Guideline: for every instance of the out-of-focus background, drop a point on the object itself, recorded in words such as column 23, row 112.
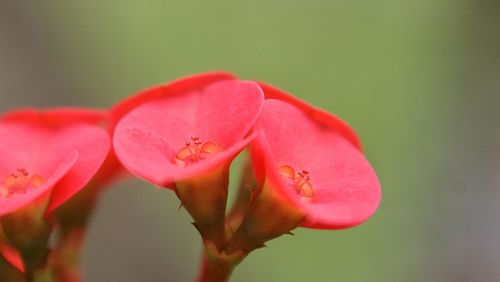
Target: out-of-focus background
column 418, row 80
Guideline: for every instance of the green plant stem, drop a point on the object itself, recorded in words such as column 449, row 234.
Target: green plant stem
column 218, row 266
column 214, row 270
column 65, row 260
column 35, row 263
column 73, row 218
column 9, row 272
column 43, row 275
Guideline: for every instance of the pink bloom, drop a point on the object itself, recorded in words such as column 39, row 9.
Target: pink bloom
column 313, row 162
column 46, row 157
column 183, row 85
column 183, row 134
column 48, row 154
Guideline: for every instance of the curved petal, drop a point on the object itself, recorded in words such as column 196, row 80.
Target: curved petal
column 147, row 139
column 8, row 205
column 149, row 157
column 38, row 140
column 54, row 119
column 265, row 166
column 55, row 116
column 12, row 256
column 228, row 111
column 223, row 114
column 93, row 144
column 319, row 115
column 346, row 189
column 26, row 146
column 194, row 83
column 183, row 85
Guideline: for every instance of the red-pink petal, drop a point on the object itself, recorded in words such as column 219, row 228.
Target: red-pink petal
column 8, row 205
column 60, row 117
column 26, row 146
column 346, row 188
column 55, row 116
column 40, row 149
column 183, row 85
column 92, row 144
column 149, row 137
column 12, row 256
column 329, row 119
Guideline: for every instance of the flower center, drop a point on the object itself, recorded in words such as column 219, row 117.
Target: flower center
column 195, row 151
column 301, row 180
column 19, row 182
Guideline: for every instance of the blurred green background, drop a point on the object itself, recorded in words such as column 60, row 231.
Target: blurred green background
column 418, row 80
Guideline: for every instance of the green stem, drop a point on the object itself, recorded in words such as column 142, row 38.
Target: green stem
column 35, row 263
column 205, row 198
column 9, row 272
column 43, row 276
column 73, row 218
column 65, row 261
column 214, row 270
column 218, row 266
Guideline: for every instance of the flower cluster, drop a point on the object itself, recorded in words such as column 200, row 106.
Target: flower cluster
column 305, row 169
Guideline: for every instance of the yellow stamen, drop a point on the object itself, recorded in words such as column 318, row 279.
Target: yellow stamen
column 195, row 151
column 301, row 180
column 19, row 182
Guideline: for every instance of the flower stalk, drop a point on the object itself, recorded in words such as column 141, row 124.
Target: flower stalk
column 65, row 258
column 204, row 197
column 217, row 266
column 28, row 232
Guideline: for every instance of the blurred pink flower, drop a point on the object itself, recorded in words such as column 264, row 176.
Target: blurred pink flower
column 51, row 153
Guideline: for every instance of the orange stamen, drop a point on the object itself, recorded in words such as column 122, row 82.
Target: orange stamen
column 301, row 180
column 195, row 151
column 19, row 182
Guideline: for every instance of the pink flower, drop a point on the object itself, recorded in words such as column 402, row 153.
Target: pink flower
column 183, row 85
column 309, row 170
column 51, row 153
column 46, row 157
column 184, row 136
column 181, row 135
column 313, row 161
